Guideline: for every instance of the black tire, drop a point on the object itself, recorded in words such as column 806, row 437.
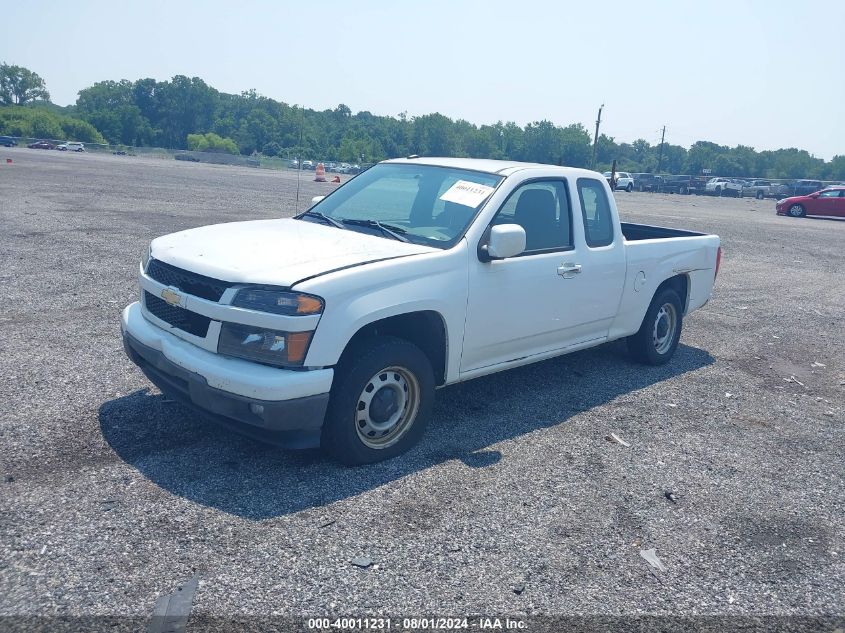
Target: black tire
column 683, row 191
column 362, row 367
column 796, row 211
column 629, row 188
column 719, row 191
column 760, row 195
column 643, row 345
column 642, row 188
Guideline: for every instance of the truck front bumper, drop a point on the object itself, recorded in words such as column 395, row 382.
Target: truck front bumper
column 270, row 404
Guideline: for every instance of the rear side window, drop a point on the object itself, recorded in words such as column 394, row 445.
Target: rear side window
column 598, row 221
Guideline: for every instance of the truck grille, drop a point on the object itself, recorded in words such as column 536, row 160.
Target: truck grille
column 186, row 281
column 185, row 320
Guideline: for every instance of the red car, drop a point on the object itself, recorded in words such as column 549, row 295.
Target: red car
column 830, row 202
column 41, row 145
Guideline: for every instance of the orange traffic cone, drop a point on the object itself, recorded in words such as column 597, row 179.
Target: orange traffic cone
column 336, row 179
column 320, row 175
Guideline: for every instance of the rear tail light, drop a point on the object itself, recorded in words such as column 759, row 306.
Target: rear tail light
column 718, row 261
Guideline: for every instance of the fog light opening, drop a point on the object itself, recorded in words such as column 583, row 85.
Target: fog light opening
column 257, row 409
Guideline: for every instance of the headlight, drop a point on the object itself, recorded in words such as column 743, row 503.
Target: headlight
column 272, row 347
column 145, row 258
column 278, row 302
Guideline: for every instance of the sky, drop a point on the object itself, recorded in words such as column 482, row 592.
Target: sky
column 763, row 74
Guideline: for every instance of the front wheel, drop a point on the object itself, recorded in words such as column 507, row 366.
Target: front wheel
column 797, row 211
column 380, row 402
column 760, row 195
column 657, row 339
column 629, row 188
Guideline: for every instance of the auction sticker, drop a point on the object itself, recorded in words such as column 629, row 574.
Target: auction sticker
column 469, row 194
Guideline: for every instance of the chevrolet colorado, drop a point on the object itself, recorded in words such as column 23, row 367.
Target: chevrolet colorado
column 334, row 328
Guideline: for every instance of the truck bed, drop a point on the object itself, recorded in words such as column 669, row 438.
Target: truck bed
column 636, row 232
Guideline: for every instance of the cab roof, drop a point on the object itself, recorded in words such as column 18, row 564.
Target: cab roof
column 500, row 167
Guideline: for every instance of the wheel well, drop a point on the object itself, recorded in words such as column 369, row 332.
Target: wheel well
column 680, row 284
column 425, row 329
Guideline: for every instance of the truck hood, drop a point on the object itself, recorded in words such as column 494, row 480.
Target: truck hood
column 274, row 252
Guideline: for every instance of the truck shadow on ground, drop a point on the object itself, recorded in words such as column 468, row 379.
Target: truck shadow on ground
column 186, row 456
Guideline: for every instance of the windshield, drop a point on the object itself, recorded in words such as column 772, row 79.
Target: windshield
column 425, row 204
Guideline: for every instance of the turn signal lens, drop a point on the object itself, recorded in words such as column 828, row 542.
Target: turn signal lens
column 297, row 346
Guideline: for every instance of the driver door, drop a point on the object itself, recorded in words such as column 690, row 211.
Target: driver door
column 538, row 301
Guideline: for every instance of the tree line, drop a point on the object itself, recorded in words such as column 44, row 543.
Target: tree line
column 185, row 112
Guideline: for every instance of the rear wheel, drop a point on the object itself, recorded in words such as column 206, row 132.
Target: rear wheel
column 683, row 191
column 658, row 336
column 760, row 195
column 797, row 211
column 719, row 191
column 630, row 187
column 380, row 402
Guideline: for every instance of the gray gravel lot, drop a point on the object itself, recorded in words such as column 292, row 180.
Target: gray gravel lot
column 112, row 496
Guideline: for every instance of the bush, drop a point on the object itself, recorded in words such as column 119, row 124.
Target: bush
column 272, row 149
column 42, row 123
column 211, row 142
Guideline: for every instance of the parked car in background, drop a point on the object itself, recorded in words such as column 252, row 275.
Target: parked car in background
column 624, row 180
column 683, row 184
column 803, row 187
column 829, row 202
column 41, row 145
column 763, row 189
column 309, row 164
column 8, row 141
column 293, row 164
column 646, row 182
column 724, row 186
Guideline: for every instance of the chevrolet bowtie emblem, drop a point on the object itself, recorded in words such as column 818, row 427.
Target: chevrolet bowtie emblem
column 171, row 297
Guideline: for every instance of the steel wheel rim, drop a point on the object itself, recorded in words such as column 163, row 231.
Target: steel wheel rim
column 795, row 210
column 387, row 407
column 665, row 324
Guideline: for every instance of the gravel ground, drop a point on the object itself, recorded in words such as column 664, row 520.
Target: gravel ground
column 514, row 503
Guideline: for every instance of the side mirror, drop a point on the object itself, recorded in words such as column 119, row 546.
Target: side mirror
column 316, row 199
column 506, row 240
column 814, row 195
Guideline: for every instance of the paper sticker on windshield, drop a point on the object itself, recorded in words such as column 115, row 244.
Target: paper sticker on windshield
column 469, row 194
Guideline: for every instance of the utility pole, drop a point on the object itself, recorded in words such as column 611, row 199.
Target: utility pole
column 660, row 160
column 596, row 138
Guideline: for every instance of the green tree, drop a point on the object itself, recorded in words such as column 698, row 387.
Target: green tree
column 19, row 85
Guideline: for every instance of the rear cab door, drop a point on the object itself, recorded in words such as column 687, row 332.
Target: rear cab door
column 563, row 291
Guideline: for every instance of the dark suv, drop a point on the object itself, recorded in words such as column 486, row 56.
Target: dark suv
column 803, row 187
column 683, row 184
column 647, row 182
column 8, row 141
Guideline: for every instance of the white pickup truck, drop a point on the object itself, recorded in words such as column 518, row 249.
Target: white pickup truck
column 335, row 327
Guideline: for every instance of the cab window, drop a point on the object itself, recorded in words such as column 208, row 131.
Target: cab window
column 541, row 208
column 595, row 207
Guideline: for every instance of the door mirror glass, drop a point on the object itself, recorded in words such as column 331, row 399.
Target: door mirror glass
column 316, row 199
column 506, row 240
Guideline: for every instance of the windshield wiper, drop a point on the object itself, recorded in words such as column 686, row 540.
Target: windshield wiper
column 320, row 216
column 396, row 232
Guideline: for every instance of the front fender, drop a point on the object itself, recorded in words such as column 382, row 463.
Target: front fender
column 359, row 296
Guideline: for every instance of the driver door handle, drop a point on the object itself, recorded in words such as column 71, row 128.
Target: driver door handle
column 569, row 270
